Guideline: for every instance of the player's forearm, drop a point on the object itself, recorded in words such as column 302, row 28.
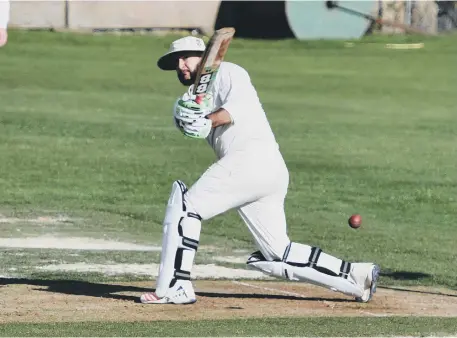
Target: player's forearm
column 220, row 117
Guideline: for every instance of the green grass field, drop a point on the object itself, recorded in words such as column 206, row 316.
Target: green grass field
column 86, row 131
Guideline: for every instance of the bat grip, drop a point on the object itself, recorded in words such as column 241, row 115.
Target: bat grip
column 199, row 98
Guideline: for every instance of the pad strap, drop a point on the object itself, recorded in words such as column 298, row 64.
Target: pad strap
column 314, row 257
column 345, row 269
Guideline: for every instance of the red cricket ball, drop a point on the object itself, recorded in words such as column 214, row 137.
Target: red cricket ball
column 355, row 221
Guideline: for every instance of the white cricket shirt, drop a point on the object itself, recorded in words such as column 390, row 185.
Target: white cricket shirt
column 4, row 13
column 250, row 129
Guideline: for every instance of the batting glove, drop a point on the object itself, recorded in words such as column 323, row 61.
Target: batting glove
column 187, row 110
column 198, row 129
column 189, row 116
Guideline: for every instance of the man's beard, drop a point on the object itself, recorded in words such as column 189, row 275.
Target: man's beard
column 187, row 82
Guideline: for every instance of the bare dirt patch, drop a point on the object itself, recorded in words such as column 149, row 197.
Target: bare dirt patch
column 72, row 243
column 37, row 220
column 200, row 271
column 74, row 301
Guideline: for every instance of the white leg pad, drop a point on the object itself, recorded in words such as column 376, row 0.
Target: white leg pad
column 181, row 234
column 309, row 264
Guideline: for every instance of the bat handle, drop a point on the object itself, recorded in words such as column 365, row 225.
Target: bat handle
column 199, row 98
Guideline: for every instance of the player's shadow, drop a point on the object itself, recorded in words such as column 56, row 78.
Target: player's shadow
column 270, row 296
column 417, row 291
column 405, row 275
column 83, row 288
column 409, row 276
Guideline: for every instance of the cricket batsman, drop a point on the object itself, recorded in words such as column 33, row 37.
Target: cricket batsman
column 4, row 18
column 250, row 175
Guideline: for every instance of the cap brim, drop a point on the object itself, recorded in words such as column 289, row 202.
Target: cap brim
column 169, row 60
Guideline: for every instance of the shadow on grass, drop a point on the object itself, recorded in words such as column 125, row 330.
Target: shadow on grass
column 412, row 276
column 90, row 289
column 405, row 275
column 262, row 296
column 74, row 287
column 417, row 291
column 82, row 288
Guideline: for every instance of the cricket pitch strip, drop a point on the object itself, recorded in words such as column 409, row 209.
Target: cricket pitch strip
column 24, row 300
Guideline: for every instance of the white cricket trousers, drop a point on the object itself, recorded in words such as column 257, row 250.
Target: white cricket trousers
column 253, row 182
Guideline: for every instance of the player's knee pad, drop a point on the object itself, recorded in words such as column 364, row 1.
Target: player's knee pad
column 181, row 234
column 302, row 262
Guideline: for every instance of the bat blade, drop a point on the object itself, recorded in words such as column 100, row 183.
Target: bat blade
column 211, row 61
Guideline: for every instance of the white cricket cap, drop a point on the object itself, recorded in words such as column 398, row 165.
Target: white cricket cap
column 177, row 47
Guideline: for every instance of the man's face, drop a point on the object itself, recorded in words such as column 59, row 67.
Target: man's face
column 187, row 69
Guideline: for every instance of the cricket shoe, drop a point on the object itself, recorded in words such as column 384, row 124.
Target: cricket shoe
column 181, row 293
column 366, row 275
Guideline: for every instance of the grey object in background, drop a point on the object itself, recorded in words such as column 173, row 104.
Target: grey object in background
column 447, row 15
column 313, row 20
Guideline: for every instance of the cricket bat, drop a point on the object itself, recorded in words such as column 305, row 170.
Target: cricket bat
column 211, row 60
